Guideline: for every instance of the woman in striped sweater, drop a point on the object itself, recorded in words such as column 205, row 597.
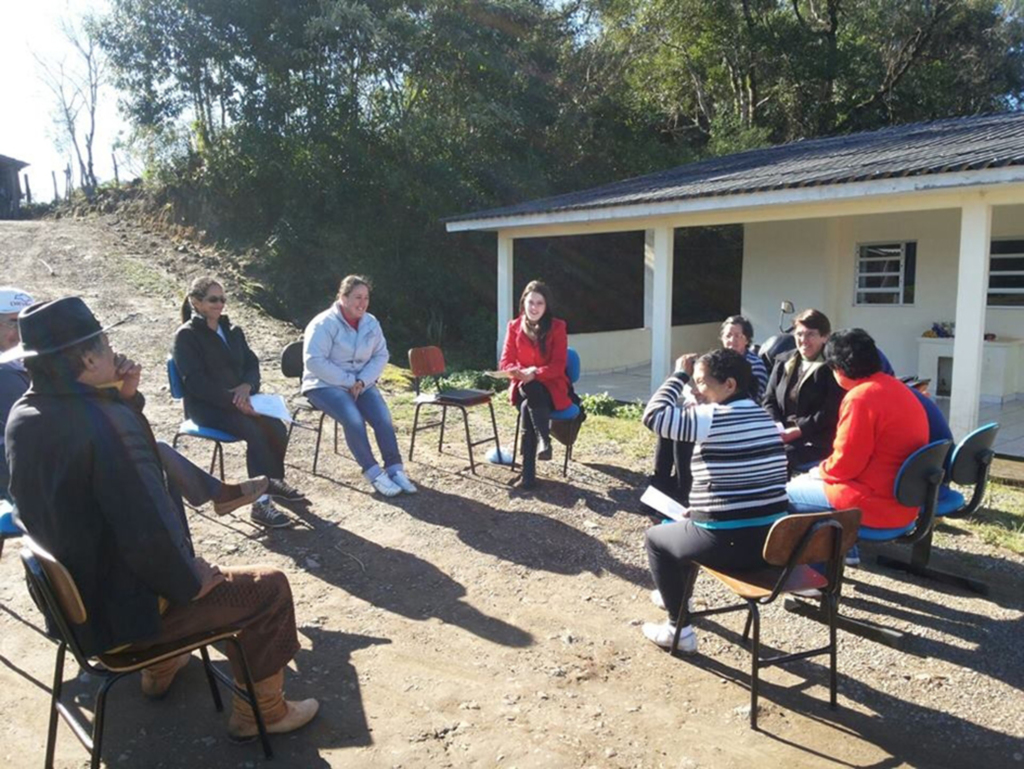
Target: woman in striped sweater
column 739, row 482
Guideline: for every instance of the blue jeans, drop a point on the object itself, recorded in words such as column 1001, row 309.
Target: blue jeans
column 807, row 495
column 353, row 414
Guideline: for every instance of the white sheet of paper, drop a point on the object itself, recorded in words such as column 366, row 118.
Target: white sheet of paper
column 271, row 406
column 664, row 504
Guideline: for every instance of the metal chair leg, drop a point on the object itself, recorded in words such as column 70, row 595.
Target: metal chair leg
column 469, row 441
column 415, row 423
column 494, row 424
column 319, row 435
column 208, row 667
column 254, row 703
column 99, row 720
column 833, row 681
column 55, row 692
column 220, row 453
column 755, row 663
column 565, row 464
column 440, row 438
column 335, row 436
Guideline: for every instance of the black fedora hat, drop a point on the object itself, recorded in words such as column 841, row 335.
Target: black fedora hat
column 48, row 327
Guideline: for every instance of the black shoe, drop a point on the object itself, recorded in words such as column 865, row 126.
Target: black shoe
column 282, row 490
column 544, row 450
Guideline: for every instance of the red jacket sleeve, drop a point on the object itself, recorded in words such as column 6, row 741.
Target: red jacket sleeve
column 558, row 351
column 508, row 351
column 854, row 443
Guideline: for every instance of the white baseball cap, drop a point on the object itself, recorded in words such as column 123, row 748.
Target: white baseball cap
column 14, row 300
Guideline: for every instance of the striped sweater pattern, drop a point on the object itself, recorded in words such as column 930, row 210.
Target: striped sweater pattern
column 739, row 463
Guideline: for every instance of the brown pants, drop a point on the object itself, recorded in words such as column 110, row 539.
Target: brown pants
column 256, row 599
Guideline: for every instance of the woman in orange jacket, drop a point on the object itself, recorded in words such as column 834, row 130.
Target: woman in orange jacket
column 534, row 355
column 881, row 423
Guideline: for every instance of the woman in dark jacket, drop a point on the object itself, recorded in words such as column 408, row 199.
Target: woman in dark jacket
column 803, row 396
column 219, row 373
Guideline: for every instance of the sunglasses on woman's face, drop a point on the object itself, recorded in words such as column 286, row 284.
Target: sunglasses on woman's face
column 215, row 299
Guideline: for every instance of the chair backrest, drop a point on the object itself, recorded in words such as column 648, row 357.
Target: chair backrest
column 291, row 360
column 971, row 457
column 917, row 485
column 174, row 379
column 572, row 365
column 58, row 582
column 921, row 474
column 426, row 361
column 808, row 537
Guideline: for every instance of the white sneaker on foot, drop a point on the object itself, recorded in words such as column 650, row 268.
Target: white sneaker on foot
column 662, row 634
column 402, row 481
column 386, row 486
column 658, row 601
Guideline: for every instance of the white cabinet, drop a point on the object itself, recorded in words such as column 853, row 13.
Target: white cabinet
column 1001, row 375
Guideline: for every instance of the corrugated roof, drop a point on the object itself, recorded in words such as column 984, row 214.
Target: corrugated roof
column 939, row 146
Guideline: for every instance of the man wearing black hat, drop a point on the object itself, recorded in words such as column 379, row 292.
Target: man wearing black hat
column 87, row 478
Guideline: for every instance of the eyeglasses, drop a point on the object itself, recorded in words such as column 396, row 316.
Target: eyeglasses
column 215, row 299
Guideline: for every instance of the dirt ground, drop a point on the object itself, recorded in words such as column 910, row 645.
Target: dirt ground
column 471, row 626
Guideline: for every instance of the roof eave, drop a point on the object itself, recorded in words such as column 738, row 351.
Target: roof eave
column 832, row 193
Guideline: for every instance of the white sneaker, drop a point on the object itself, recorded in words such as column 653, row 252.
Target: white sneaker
column 662, row 634
column 658, row 601
column 402, row 481
column 386, row 486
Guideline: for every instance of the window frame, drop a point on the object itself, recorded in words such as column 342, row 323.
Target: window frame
column 899, row 291
column 989, row 291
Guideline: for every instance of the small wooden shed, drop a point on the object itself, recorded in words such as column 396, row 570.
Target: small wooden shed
column 10, row 186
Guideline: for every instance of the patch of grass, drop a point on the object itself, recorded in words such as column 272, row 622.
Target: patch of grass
column 147, row 279
column 1000, row 520
column 395, row 379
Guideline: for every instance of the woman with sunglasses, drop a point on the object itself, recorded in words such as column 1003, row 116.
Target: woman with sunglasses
column 219, row 374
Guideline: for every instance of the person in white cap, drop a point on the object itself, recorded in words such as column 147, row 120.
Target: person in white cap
column 13, row 376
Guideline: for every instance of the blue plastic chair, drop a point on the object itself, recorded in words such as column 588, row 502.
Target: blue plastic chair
column 969, row 465
column 8, row 528
column 190, row 429
column 917, row 485
column 572, row 371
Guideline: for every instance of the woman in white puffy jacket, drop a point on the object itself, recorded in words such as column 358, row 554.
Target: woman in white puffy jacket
column 344, row 354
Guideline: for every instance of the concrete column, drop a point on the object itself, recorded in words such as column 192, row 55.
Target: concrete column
column 971, row 296
column 661, row 305
column 648, row 278
column 506, row 295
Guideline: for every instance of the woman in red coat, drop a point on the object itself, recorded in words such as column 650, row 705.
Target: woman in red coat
column 881, row 423
column 536, row 346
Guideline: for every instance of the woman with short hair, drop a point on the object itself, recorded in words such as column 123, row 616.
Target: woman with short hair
column 344, row 354
column 802, row 396
column 737, row 333
column 881, row 423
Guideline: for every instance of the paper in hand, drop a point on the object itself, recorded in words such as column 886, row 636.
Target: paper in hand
column 664, row 504
column 270, row 406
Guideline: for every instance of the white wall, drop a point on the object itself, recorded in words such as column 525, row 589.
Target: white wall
column 812, row 263
column 616, row 350
column 782, row 260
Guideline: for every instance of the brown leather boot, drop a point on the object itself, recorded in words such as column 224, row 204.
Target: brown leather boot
column 279, row 715
column 157, row 679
